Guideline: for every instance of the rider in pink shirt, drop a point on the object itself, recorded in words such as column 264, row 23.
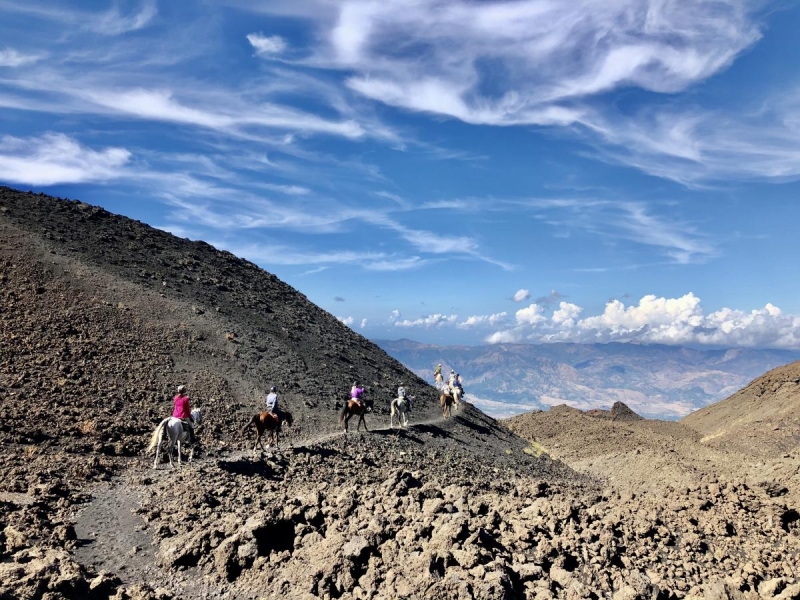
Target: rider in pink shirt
column 183, row 410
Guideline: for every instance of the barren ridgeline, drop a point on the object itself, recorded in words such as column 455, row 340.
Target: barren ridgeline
column 102, row 317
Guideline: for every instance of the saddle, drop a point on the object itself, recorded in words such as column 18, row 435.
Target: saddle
column 358, row 402
column 272, row 417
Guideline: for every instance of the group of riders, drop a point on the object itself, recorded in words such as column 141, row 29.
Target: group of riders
column 453, row 383
column 182, row 408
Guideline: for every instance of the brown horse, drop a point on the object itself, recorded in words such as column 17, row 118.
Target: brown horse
column 446, row 401
column 268, row 422
column 354, row 407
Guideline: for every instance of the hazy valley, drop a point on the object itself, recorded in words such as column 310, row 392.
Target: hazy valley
column 655, row 380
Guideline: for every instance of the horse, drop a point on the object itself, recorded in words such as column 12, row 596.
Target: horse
column 268, row 422
column 355, row 407
column 177, row 433
column 446, row 401
column 456, row 392
column 439, row 379
column 400, row 407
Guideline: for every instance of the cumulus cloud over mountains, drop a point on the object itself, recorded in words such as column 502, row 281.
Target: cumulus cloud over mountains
column 656, row 320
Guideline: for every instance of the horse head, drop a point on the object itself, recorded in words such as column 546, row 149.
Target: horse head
column 368, row 404
column 196, row 416
column 287, row 416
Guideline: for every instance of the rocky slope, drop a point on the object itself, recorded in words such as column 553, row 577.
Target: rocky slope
column 666, row 466
column 101, row 317
column 763, row 418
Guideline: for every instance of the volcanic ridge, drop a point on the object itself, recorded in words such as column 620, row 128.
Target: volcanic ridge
column 102, row 317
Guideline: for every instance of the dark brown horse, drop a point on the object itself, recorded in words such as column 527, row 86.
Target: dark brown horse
column 355, row 407
column 268, row 422
column 446, row 401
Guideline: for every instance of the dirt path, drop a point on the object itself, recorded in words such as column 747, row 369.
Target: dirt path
column 114, row 538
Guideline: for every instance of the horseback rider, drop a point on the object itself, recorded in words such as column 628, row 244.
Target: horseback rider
column 356, row 393
column 401, row 395
column 183, row 411
column 459, row 383
column 272, row 401
column 437, row 371
column 271, row 404
column 452, row 379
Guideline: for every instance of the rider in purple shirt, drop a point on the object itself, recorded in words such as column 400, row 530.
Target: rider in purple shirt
column 356, row 392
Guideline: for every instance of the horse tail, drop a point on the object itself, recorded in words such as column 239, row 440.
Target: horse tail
column 154, row 439
column 250, row 422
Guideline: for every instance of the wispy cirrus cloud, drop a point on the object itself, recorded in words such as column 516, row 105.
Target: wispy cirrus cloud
column 636, row 222
column 11, row 58
column 55, row 158
column 110, row 22
column 699, row 147
column 532, row 50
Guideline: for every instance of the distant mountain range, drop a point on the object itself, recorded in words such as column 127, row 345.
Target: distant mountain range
column 654, row 380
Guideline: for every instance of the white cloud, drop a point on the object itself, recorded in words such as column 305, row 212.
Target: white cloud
column 266, row 45
column 11, row 58
column 566, row 314
column 363, row 323
column 508, row 336
column 657, row 320
column 651, row 312
column 346, row 320
column 521, row 295
column 429, row 321
column 531, row 315
column 54, row 158
column 483, row 320
column 525, row 61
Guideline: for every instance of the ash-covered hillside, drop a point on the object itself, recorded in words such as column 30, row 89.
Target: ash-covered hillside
column 116, row 314
column 762, row 419
column 102, row 317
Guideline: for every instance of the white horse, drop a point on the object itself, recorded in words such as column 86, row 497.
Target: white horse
column 177, row 434
column 456, row 393
column 400, row 407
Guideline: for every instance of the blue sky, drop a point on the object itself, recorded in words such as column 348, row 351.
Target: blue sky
column 447, row 171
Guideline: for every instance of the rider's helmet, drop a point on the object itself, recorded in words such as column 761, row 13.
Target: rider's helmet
column 273, row 389
column 181, row 389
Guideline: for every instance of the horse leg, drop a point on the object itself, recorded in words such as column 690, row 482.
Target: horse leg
column 158, row 448
column 171, row 449
column 346, row 421
column 361, row 419
column 179, row 453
